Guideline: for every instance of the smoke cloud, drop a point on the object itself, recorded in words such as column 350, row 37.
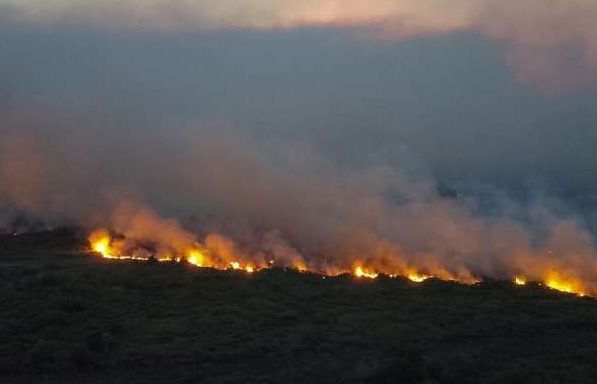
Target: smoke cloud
column 235, row 198
column 306, row 150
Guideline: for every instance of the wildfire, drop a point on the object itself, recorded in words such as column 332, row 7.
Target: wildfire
column 102, row 247
column 196, row 258
column 557, row 282
column 235, row 265
column 249, row 268
column 417, row 278
column 101, row 242
column 299, row 266
column 360, row 272
column 520, row 280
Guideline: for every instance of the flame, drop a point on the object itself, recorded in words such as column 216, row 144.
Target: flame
column 298, row 265
column 557, row 282
column 360, row 272
column 249, row 268
column 520, row 280
column 102, row 243
column 417, row 278
column 196, row 258
column 235, row 265
column 102, row 247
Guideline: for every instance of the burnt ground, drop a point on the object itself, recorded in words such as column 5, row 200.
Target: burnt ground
column 68, row 317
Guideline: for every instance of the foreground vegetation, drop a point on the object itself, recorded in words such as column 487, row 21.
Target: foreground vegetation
column 68, row 317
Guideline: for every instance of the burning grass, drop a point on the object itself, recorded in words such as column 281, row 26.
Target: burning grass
column 101, row 242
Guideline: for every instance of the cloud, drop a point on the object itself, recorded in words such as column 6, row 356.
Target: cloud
column 551, row 44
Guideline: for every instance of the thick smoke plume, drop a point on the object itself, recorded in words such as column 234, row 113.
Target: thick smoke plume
column 221, row 198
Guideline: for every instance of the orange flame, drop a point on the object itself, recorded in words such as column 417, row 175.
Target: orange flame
column 559, row 283
column 101, row 242
column 360, row 272
column 196, row 258
column 520, row 280
column 417, row 277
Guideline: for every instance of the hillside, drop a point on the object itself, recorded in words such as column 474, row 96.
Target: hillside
column 69, row 317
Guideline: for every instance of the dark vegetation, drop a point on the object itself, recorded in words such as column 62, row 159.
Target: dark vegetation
column 68, row 317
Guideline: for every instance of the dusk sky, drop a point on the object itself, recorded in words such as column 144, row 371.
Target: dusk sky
column 468, row 95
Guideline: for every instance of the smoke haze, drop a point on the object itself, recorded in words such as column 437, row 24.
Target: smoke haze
column 411, row 147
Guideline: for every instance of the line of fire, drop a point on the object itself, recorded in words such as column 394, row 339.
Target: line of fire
column 109, row 246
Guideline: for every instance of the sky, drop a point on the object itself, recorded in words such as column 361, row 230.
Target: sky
column 239, row 110
column 485, row 90
column 472, row 96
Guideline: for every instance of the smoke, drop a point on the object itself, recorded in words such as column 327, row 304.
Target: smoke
column 236, row 198
column 551, row 44
column 99, row 142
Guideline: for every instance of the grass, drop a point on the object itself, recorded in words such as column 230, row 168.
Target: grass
column 68, row 317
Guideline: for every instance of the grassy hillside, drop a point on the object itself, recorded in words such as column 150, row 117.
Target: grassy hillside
column 67, row 317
